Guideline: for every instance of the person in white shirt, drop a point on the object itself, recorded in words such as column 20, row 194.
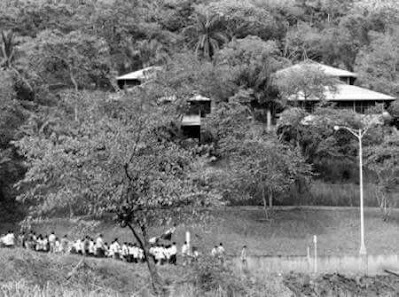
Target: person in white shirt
column 220, row 252
column 46, row 244
column 160, row 255
column 173, row 254
column 57, row 246
column 100, row 247
column 134, row 251
column 125, row 252
column 141, row 255
column 92, row 247
column 51, row 240
column 185, row 252
column 129, row 257
column 185, row 249
column 9, row 240
column 39, row 243
column 195, row 253
column 166, row 251
column 214, row 251
column 78, row 246
column 106, row 249
column 114, row 249
column 65, row 245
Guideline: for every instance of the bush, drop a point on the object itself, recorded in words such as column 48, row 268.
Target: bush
column 209, row 275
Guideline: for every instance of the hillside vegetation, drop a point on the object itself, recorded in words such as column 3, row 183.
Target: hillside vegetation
column 74, row 145
column 56, row 53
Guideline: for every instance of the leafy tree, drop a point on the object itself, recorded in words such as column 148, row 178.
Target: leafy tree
column 149, row 52
column 113, row 159
column 73, row 60
column 383, row 160
column 314, row 135
column 304, row 81
column 301, row 42
column 243, row 18
column 185, row 73
column 175, row 16
column 253, row 62
column 12, row 115
column 206, row 35
column 259, row 165
column 378, row 64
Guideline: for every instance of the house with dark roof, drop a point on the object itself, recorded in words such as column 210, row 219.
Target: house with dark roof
column 138, row 77
column 346, row 95
column 198, row 105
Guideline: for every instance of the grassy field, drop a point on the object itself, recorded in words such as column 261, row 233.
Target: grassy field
column 332, row 194
column 288, row 233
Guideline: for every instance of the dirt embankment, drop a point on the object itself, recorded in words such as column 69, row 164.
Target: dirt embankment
column 338, row 285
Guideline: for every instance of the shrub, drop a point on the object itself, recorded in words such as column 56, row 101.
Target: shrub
column 209, row 275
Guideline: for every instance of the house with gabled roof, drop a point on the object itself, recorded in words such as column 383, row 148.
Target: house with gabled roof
column 138, row 77
column 346, row 95
column 198, row 105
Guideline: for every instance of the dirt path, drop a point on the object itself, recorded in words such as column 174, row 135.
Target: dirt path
column 330, row 285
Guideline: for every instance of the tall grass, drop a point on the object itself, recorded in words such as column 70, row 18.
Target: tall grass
column 330, row 194
column 24, row 289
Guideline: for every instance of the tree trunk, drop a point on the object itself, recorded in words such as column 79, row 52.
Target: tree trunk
column 268, row 119
column 75, row 84
column 155, row 277
column 270, row 200
column 265, row 204
column 156, row 281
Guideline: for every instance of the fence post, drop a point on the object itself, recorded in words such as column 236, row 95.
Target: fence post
column 188, row 242
column 315, row 253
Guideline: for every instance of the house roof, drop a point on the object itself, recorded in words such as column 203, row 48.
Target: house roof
column 346, row 92
column 191, row 120
column 199, row 98
column 328, row 70
column 141, row 74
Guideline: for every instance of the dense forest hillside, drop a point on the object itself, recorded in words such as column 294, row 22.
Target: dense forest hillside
column 68, row 131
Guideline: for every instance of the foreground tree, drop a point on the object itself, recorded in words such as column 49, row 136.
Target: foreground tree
column 113, row 159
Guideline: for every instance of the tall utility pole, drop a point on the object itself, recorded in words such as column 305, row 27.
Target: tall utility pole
column 359, row 135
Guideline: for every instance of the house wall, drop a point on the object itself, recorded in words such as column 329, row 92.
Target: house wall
column 357, row 106
column 200, row 107
column 191, row 131
column 125, row 83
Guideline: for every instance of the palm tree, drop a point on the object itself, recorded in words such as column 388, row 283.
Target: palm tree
column 151, row 52
column 147, row 52
column 263, row 94
column 207, row 34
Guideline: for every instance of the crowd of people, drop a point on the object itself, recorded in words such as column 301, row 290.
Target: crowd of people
column 130, row 252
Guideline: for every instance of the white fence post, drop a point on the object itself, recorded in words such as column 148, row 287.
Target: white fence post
column 315, row 253
column 188, row 242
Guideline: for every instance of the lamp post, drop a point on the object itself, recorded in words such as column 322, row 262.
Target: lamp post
column 359, row 135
